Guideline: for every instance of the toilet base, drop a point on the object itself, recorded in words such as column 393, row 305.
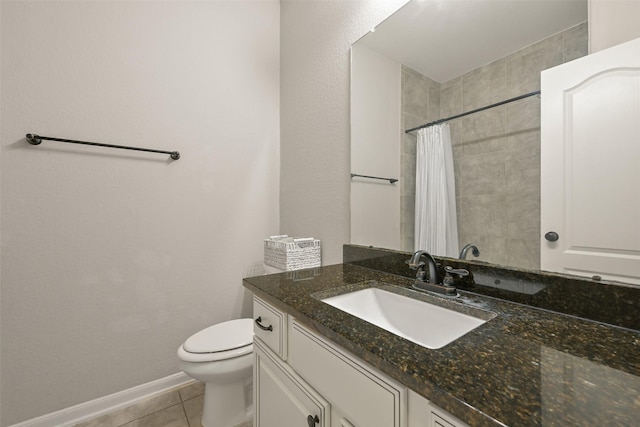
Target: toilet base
column 227, row 405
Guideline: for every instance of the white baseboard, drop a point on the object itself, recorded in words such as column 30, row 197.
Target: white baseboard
column 104, row 405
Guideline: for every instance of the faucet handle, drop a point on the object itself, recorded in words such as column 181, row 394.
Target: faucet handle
column 414, row 266
column 448, row 279
column 460, row 272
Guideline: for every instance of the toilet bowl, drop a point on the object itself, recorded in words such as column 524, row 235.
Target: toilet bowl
column 221, row 356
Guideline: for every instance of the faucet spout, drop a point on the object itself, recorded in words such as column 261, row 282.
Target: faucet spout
column 472, row 247
column 433, row 284
column 415, row 263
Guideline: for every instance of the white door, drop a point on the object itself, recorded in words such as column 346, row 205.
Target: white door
column 590, row 186
column 282, row 398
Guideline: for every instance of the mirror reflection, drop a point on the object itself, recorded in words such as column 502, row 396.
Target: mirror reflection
column 433, row 60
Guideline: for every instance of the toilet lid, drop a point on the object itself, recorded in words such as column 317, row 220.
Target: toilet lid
column 221, row 337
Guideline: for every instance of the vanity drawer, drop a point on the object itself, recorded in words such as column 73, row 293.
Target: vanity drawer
column 270, row 325
column 366, row 397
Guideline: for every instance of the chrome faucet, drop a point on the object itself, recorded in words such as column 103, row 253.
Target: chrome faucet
column 474, row 251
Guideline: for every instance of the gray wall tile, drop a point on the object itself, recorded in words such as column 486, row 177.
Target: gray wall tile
column 576, row 42
column 523, row 253
column 408, row 174
column 433, row 110
column 482, row 215
column 481, row 174
column 408, row 219
column 523, row 115
column 491, row 249
column 409, row 139
column 524, row 67
column 420, row 104
column 483, row 86
column 484, row 125
column 451, row 98
column 415, row 93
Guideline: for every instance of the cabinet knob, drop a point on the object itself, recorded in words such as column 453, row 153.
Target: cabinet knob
column 551, row 236
column 312, row 420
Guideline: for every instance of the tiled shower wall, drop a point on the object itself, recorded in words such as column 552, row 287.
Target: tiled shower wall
column 496, row 152
column 420, row 104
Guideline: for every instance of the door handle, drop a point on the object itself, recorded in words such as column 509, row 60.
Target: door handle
column 552, row 236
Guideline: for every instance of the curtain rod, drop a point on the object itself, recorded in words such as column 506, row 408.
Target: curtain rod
column 457, row 116
column 37, row 139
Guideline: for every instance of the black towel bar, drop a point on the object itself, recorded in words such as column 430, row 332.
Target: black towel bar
column 391, row 180
column 37, row 139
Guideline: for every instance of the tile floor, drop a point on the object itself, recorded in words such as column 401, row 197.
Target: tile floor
column 180, row 407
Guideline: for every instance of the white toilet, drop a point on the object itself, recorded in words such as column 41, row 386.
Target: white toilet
column 221, row 356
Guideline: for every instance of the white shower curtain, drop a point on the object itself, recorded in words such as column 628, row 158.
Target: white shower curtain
column 436, row 226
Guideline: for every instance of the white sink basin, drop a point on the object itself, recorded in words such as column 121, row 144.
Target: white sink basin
column 426, row 324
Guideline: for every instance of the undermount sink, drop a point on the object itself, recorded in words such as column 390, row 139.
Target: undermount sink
column 426, row 324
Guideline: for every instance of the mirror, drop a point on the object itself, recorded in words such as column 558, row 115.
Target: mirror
column 434, row 59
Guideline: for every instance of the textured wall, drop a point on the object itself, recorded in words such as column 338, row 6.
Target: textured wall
column 375, row 148
column 612, row 23
column 110, row 259
column 314, row 181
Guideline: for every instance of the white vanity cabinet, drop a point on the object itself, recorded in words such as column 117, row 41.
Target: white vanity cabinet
column 281, row 397
column 303, row 379
column 364, row 396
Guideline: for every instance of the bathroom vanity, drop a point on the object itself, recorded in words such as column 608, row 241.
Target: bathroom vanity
column 527, row 366
column 320, row 382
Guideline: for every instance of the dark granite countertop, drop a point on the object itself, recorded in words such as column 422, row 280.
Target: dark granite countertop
column 526, row 367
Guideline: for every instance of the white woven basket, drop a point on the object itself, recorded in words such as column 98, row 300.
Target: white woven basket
column 288, row 253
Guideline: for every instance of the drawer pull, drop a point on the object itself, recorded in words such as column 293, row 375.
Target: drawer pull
column 312, row 421
column 261, row 326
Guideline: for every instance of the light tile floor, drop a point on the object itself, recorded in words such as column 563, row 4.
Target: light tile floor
column 176, row 408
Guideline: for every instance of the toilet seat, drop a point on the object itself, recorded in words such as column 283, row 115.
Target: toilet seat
column 226, row 340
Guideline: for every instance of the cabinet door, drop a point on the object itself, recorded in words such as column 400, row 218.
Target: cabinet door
column 366, row 396
column 591, row 165
column 281, row 397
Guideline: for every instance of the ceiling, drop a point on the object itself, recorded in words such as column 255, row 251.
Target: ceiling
column 444, row 39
